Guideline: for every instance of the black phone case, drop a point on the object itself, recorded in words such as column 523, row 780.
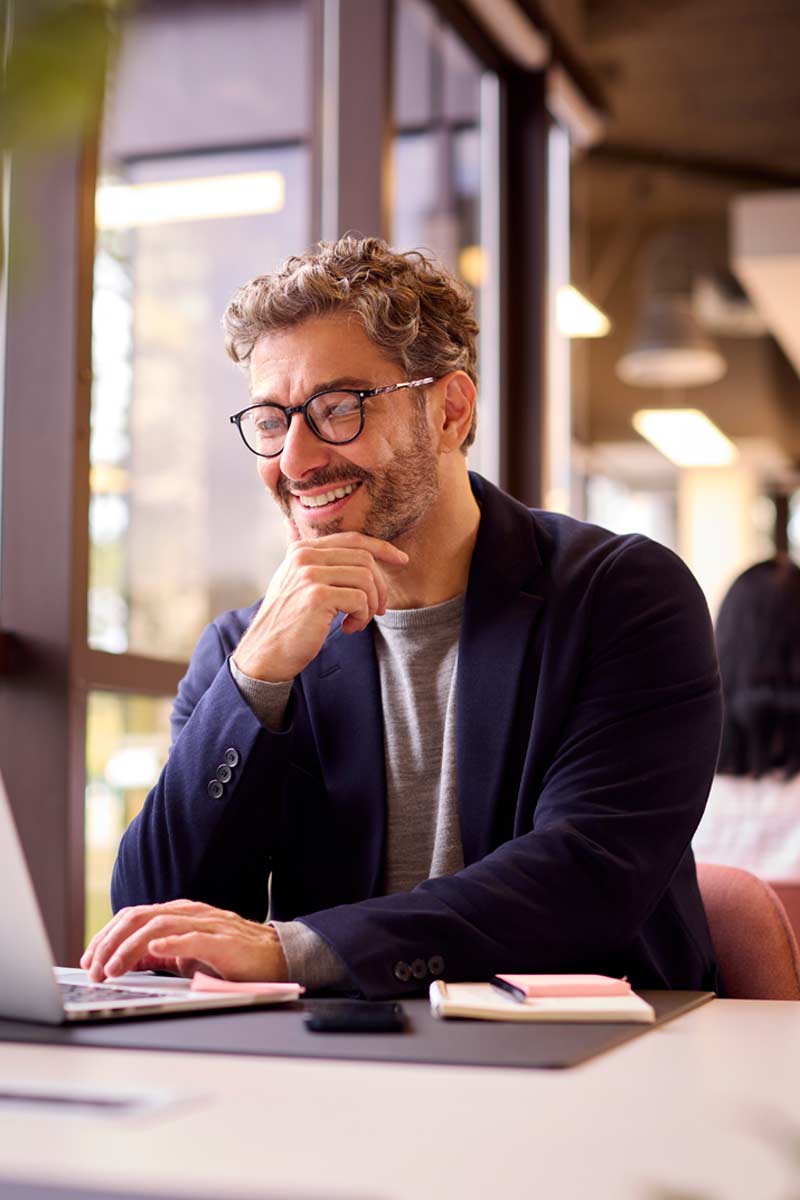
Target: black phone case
column 356, row 1016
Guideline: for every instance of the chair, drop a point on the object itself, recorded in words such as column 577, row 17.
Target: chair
column 789, row 896
column 756, row 949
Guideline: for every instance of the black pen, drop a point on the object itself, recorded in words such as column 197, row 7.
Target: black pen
column 508, row 989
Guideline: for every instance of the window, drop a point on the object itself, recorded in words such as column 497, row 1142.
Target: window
column 438, row 187
column 203, row 182
column 126, row 747
column 179, row 526
column 436, row 169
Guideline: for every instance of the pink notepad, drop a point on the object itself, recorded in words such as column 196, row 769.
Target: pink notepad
column 568, row 985
column 279, row 991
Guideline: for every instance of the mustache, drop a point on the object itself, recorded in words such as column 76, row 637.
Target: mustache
column 330, row 475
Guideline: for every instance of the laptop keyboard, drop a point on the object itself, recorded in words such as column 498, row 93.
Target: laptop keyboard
column 81, row 993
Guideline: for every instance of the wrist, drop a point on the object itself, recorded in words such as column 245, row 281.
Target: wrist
column 252, row 668
column 279, row 971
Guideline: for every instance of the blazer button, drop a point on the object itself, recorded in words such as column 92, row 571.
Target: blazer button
column 215, row 789
column 402, row 971
column 436, row 965
column 224, row 773
column 418, row 968
column 231, row 756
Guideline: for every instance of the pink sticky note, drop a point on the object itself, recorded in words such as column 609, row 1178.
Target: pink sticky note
column 568, row 985
column 209, row 983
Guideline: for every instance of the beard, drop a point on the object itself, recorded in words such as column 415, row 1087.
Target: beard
column 399, row 495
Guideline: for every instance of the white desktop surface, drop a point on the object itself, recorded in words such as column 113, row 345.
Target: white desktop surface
column 707, row 1105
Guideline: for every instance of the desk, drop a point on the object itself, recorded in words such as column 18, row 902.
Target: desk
column 705, row 1105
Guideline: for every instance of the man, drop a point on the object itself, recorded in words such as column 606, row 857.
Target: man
column 459, row 736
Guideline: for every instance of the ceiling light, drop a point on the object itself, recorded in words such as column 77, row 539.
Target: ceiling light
column 126, row 206
column 577, row 317
column 670, row 349
column 685, row 436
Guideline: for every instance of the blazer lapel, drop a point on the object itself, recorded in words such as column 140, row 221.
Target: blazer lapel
column 344, row 704
column 501, row 608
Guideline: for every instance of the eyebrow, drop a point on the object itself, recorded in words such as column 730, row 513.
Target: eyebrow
column 342, row 381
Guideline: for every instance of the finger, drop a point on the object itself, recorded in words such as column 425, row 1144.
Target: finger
column 353, row 603
column 292, row 532
column 149, row 962
column 384, row 551
column 115, row 932
column 86, row 957
column 331, row 556
column 353, row 625
column 352, row 578
column 107, row 938
column 107, row 931
column 128, row 952
column 320, row 555
column 383, row 590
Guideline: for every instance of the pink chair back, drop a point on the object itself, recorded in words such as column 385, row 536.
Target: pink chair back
column 756, row 948
column 789, row 896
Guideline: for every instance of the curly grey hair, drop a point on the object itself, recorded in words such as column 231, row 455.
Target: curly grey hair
column 409, row 305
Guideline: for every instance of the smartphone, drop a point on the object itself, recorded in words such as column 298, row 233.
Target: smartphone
column 356, row 1016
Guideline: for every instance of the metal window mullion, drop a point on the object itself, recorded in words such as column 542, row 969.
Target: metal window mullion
column 491, row 347
column 355, row 117
column 525, row 220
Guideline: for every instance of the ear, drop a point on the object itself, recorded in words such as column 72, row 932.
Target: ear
column 457, row 409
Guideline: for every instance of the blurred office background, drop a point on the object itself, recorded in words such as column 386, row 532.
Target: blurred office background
column 617, row 181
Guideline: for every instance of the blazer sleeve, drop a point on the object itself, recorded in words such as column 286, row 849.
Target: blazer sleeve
column 207, row 828
column 614, row 813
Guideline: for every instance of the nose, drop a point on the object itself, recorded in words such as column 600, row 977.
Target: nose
column 302, row 451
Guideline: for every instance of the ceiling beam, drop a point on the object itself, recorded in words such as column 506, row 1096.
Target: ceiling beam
column 608, row 19
column 726, row 172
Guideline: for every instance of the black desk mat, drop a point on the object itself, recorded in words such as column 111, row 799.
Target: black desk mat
column 427, row 1039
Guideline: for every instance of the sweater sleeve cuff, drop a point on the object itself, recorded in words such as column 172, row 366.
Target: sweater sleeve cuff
column 309, row 958
column 268, row 701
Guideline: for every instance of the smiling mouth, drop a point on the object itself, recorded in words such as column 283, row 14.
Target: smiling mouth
column 324, row 499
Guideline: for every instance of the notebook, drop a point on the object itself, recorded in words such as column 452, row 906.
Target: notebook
column 486, row 1003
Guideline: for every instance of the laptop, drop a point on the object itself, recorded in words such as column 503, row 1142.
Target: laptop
column 33, row 989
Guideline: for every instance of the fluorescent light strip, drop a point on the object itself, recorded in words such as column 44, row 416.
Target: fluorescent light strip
column 578, row 317
column 127, row 206
column 685, row 436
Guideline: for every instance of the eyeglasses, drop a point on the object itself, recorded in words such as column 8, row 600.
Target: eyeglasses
column 336, row 417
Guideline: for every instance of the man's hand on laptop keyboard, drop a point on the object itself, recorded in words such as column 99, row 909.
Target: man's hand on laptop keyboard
column 183, row 936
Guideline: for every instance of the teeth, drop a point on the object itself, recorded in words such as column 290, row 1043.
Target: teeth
column 327, row 497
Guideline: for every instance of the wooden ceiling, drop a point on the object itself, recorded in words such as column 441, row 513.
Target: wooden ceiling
column 703, row 100
column 711, row 83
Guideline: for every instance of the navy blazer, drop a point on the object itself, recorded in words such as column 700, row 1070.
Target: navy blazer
column 588, row 722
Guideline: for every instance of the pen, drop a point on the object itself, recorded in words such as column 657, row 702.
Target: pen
column 508, row 989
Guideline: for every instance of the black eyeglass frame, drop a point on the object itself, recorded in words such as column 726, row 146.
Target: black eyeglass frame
column 361, row 395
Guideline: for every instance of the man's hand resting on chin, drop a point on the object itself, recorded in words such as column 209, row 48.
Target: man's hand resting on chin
column 185, row 936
